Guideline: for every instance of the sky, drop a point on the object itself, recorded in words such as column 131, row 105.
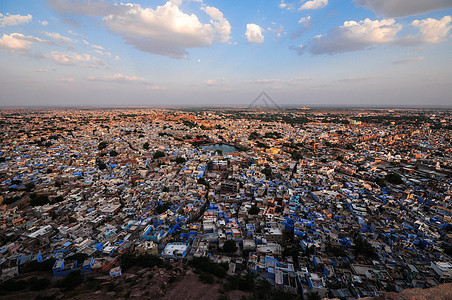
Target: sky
column 222, row 53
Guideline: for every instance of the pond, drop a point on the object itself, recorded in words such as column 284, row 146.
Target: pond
column 224, row 148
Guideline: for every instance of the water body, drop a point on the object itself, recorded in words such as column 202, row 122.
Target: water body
column 224, row 148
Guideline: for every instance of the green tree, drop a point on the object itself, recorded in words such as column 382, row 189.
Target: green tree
column 364, row 247
column 380, row 181
column 267, row 171
column 394, row 178
column 254, row 210
column 146, row 146
column 102, row 145
column 159, row 154
column 230, row 246
column 180, row 160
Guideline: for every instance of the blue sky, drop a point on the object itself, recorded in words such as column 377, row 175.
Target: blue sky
column 210, row 52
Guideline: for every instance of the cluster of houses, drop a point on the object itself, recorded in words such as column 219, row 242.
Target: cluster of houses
column 341, row 210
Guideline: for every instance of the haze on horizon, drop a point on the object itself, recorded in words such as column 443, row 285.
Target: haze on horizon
column 211, row 53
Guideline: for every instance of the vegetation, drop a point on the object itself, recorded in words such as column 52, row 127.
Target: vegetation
column 180, row 160
column 146, row 146
column 394, row 178
column 206, row 278
column 101, row 165
column 72, row 280
column 254, row 136
column 158, row 154
column 230, row 246
column 102, row 145
column 38, row 200
column 363, row 247
column 143, row 261
column 261, row 145
column 267, row 171
column 273, row 135
column 380, row 181
column 190, row 124
column 35, row 266
column 204, row 265
column 161, row 208
column 254, row 210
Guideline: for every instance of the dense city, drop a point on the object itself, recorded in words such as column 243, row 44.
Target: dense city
column 234, row 203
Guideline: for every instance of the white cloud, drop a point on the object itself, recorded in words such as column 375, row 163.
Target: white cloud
column 44, row 23
column 103, row 53
column 11, row 20
column 18, row 42
column 354, row 79
column 97, row 47
column 305, row 20
column 403, row 8
column 314, row 4
column 166, row 30
column 67, row 80
column 156, row 88
column 408, row 60
column 211, row 82
column 254, row 34
column 354, row 36
column 119, row 78
column 58, row 37
column 76, row 59
column 220, row 24
column 279, row 82
column 287, row 6
column 298, row 49
column 305, row 26
column 432, row 30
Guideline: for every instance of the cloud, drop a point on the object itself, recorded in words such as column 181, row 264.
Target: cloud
column 96, row 46
column 165, row 30
column 298, row 49
column 305, row 26
column 44, row 23
column 353, row 36
column 119, row 78
column 211, row 82
column 156, row 88
column 85, row 8
column 18, row 42
column 408, row 60
column 103, row 53
column 403, row 8
column 287, row 6
column 58, row 37
column 67, row 80
column 11, row 20
column 314, row 4
column 278, row 82
column 254, row 34
column 432, row 30
column 76, row 59
column 220, row 24
column 354, row 79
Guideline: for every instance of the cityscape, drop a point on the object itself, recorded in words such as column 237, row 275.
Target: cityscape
column 225, row 203
column 226, row 150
